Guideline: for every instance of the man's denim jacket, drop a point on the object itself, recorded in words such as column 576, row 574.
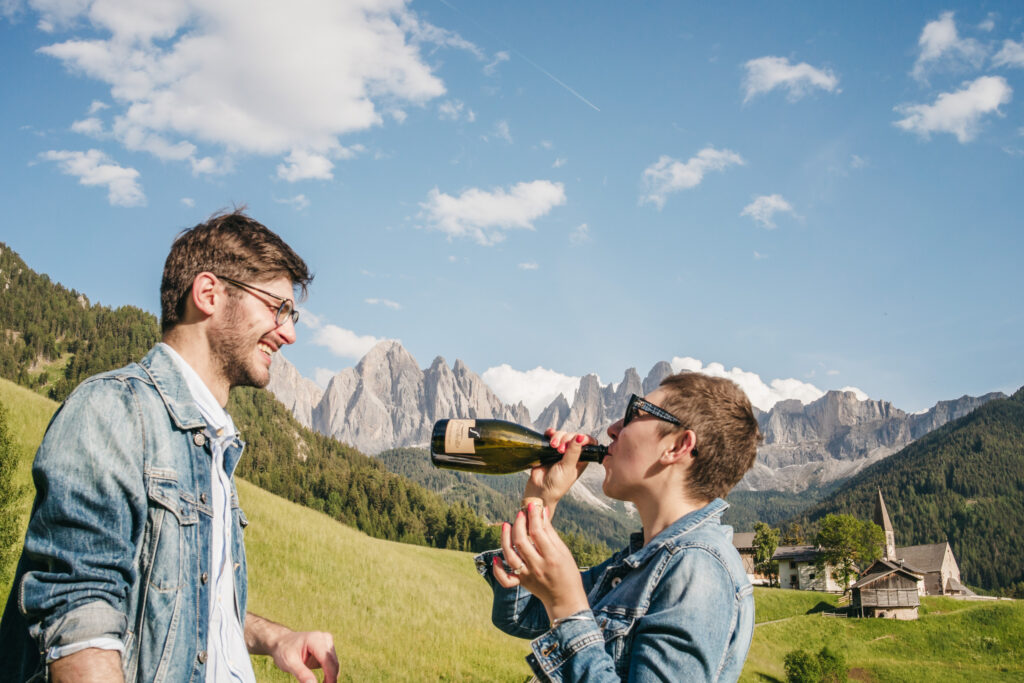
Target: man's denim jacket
column 118, row 545
column 678, row 609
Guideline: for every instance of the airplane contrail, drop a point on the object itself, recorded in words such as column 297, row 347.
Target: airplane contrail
column 529, row 61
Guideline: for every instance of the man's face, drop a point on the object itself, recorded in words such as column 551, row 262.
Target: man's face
column 246, row 336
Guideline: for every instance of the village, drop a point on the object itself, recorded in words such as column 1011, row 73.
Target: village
column 889, row 587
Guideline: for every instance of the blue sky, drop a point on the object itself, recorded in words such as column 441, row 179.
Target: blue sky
column 804, row 197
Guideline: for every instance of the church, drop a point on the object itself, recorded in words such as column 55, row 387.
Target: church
column 934, row 562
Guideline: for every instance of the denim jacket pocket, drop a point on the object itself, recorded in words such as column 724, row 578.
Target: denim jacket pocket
column 617, row 628
column 173, row 516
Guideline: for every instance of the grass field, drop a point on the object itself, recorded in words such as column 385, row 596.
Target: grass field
column 407, row 613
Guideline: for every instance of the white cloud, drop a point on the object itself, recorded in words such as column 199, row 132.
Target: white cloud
column 298, row 202
column 767, row 73
column 861, row 396
column 91, row 126
column 857, row 162
column 581, row 235
column 529, row 265
column 764, row 208
column 499, row 57
column 95, row 168
column 941, row 45
column 452, row 110
column 97, row 106
column 536, row 388
column 263, row 77
column 344, row 343
column 484, row 216
column 957, row 112
column 559, row 162
column 988, row 24
column 501, row 130
column 305, row 165
column 189, row 202
column 546, row 144
column 671, row 175
column 394, row 305
column 1012, row 54
column 758, row 256
column 761, row 394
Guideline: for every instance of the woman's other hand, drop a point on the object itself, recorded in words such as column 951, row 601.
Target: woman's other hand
column 541, row 563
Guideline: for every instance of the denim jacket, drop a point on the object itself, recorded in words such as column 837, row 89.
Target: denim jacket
column 118, row 544
column 678, row 609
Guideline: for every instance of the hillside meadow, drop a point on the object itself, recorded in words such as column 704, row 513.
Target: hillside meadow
column 404, row 612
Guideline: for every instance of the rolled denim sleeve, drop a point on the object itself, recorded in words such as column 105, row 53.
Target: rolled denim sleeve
column 88, row 515
column 683, row 635
column 515, row 611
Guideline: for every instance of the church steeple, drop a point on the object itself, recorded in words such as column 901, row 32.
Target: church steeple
column 882, row 520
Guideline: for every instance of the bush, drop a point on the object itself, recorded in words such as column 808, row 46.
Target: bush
column 828, row 666
column 802, row 667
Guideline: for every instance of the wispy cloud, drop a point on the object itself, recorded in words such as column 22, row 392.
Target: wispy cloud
column 1012, row 54
column 767, row 73
column 559, row 162
column 668, row 175
column 266, row 64
column 455, row 110
column 485, row 216
column 189, row 202
column 339, row 341
column 387, row 303
column 941, row 46
column 529, row 265
column 958, row 113
column 503, row 132
column 94, row 168
column 764, row 208
column 491, row 68
column 580, row 235
column 298, row 202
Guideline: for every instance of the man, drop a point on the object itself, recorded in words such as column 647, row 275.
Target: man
column 675, row 604
column 134, row 563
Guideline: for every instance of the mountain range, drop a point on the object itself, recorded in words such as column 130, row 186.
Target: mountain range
column 387, row 401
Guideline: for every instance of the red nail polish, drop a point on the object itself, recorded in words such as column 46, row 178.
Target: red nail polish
column 580, row 438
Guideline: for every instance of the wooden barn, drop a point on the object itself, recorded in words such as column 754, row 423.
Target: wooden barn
column 886, row 590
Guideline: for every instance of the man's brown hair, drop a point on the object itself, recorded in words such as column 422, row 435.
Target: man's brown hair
column 719, row 413
column 228, row 244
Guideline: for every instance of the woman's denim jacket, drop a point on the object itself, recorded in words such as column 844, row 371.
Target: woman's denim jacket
column 678, row 609
column 118, row 545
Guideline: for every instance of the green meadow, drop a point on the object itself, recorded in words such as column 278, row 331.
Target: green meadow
column 410, row 613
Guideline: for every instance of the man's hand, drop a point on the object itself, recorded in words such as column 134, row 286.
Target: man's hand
column 294, row 652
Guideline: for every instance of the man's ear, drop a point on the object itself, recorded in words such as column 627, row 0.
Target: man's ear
column 681, row 447
column 206, row 293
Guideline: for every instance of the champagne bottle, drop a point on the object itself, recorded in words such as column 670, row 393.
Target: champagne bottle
column 495, row 447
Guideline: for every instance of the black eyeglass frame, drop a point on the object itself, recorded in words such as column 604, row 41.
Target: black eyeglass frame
column 636, row 404
column 283, row 312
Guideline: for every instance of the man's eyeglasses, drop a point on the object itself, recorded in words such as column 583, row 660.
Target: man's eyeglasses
column 282, row 313
column 637, row 404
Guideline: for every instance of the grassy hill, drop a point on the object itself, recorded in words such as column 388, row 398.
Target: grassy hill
column 406, row 612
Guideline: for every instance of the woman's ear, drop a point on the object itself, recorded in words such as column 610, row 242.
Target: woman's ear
column 682, row 445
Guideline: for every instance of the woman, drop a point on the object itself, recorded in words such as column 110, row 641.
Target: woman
column 675, row 604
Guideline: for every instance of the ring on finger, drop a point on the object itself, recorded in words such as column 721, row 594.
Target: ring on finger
column 518, row 569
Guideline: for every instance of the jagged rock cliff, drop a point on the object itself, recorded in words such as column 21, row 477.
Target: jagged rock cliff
column 387, row 401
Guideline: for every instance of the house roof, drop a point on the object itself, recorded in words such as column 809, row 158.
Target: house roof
column 882, row 568
column 743, row 540
column 796, row 553
column 927, row 558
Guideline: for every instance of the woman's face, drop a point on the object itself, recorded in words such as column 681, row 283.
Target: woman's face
column 634, row 452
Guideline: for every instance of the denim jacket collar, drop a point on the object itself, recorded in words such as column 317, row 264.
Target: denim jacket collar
column 639, row 553
column 173, row 390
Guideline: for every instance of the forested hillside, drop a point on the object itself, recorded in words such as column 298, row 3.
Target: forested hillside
column 963, row 483
column 51, row 337
column 45, row 327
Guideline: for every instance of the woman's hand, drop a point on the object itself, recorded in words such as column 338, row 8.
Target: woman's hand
column 548, row 483
column 541, row 563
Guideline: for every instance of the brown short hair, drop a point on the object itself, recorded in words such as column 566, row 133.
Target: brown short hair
column 719, row 413
column 228, row 244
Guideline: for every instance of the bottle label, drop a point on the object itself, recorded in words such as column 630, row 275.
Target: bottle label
column 458, row 439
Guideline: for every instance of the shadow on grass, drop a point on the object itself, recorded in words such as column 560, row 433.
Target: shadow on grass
column 823, row 606
column 769, row 679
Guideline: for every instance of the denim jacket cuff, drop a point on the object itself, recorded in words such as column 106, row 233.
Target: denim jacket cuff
column 564, row 641
column 484, row 561
column 96, row 619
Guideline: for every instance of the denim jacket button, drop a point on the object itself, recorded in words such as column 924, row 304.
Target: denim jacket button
column 202, row 657
column 616, row 581
column 202, row 498
column 199, row 439
column 205, row 577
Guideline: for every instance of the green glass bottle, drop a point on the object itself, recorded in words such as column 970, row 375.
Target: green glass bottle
column 495, row 447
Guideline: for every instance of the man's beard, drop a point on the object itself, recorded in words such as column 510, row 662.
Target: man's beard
column 232, row 351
